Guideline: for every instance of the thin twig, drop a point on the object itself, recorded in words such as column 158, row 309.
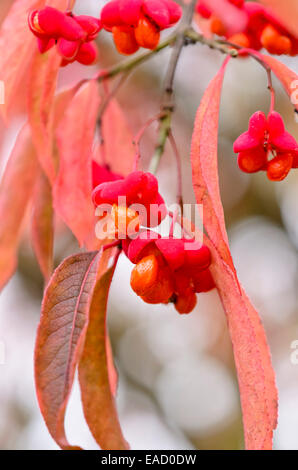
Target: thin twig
column 138, row 137
column 258, row 57
column 190, row 37
column 110, row 96
column 167, row 106
column 130, row 64
column 179, row 170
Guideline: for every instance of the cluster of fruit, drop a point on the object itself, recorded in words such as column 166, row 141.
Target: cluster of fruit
column 167, row 269
column 262, row 28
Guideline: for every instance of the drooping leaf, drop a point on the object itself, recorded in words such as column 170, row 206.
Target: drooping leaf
column 112, row 371
column 60, row 337
column 43, row 226
column 252, row 357
column 204, row 145
column 73, row 186
column 15, row 193
column 287, row 77
column 117, row 137
column 94, row 374
column 286, row 12
column 18, row 47
column 41, row 92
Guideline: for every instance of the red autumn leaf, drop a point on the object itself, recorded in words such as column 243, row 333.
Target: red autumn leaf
column 204, row 144
column 287, row 77
column 62, row 101
column 118, row 150
column 43, row 226
column 286, row 12
column 113, row 374
column 73, row 186
column 15, row 193
column 94, row 374
column 18, row 46
column 252, row 357
column 60, row 337
column 41, row 92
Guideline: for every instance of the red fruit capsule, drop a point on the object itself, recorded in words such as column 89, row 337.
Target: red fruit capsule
column 252, row 161
column 197, row 258
column 55, row 23
column 295, row 160
column 217, row 26
column 152, row 281
column 110, row 15
column 161, row 292
column 126, row 221
column 147, row 34
column 87, row 53
column 274, row 42
column 185, row 304
column 90, row 25
column 102, row 174
column 45, row 44
column 237, row 3
column 203, row 281
column 130, row 11
column 203, row 11
column 175, row 11
column 279, row 167
column 240, row 39
column 144, row 275
column 68, row 49
column 157, row 12
column 125, row 41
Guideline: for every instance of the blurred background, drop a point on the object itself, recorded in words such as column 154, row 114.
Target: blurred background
column 177, row 388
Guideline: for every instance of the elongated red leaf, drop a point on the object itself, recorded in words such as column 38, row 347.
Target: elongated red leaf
column 286, row 12
column 43, row 226
column 60, row 337
column 287, row 77
column 41, row 92
column 18, row 47
column 97, row 394
column 252, row 357
column 117, row 140
column 73, row 187
column 15, row 193
column 204, row 163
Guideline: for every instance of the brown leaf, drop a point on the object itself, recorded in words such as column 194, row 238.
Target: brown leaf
column 43, row 226
column 94, row 374
column 15, row 193
column 60, row 337
column 18, row 46
column 42, row 87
